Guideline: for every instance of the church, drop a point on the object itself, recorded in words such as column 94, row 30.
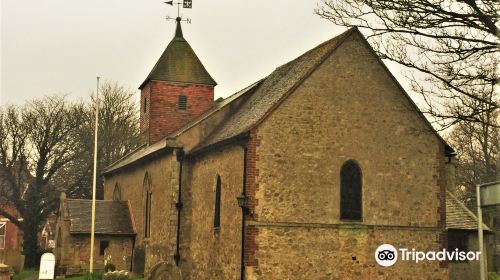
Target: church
column 300, row 175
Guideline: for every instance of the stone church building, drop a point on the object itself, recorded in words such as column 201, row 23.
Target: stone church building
column 301, row 175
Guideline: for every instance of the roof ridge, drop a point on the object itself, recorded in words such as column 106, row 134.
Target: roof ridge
column 339, row 37
column 276, row 88
column 140, row 147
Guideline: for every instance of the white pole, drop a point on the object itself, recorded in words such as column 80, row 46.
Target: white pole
column 95, row 177
column 480, row 232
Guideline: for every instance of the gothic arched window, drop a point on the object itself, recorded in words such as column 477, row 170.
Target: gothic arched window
column 350, row 191
column 217, row 202
column 117, row 192
column 147, row 205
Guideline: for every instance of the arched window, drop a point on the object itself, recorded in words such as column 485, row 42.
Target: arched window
column 147, row 205
column 117, row 192
column 217, row 202
column 350, row 191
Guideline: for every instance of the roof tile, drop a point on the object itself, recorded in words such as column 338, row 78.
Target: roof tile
column 112, row 217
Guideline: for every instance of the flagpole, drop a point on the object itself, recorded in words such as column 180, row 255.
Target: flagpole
column 91, row 269
column 480, row 232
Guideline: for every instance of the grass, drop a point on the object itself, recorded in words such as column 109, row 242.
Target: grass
column 25, row 274
column 84, row 277
column 493, row 276
column 87, row 276
column 34, row 273
column 76, row 277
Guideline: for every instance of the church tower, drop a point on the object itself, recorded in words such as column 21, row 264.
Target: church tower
column 177, row 90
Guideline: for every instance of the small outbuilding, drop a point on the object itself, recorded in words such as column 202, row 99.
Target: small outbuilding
column 114, row 235
column 461, row 225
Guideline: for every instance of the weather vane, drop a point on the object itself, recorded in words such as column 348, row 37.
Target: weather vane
column 186, row 4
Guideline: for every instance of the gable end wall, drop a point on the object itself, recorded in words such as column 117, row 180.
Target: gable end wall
column 348, row 108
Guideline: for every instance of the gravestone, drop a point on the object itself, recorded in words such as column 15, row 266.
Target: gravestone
column 138, row 260
column 165, row 271
column 47, row 265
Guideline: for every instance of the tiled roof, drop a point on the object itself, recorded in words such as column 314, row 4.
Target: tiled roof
column 458, row 216
column 274, row 88
column 112, row 217
column 179, row 63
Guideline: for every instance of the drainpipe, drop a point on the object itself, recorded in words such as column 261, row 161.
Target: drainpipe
column 180, row 158
column 243, row 216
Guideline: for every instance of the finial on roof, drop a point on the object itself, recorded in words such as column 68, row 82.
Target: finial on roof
column 178, row 30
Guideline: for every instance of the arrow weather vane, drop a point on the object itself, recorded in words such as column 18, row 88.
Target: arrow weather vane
column 186, row 4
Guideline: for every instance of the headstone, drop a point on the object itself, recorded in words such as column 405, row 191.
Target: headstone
column 47, row 265
column 165, row 271
column 138, row 260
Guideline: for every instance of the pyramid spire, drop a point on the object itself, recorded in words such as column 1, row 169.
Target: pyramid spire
column 178, row 29
column 179, row 63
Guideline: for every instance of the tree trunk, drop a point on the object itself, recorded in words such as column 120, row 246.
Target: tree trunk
column 31, row 226
column 30, row 245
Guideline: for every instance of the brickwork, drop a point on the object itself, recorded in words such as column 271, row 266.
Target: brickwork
column 252, row 188
column 162, row 117
column 145, row 108
column 442, row 181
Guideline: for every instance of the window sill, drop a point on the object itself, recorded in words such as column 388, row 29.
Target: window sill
column 346, row 221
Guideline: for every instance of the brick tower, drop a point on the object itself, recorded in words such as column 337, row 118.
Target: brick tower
column 177, row 90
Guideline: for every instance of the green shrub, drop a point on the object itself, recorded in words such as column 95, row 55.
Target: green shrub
column 93, row 276
column 493, row 276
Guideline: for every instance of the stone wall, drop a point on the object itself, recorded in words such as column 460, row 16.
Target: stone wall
column 338, row 252
column 118, row 252
column 163, row 171
column 470, row 269
column 349, row 108
column 208, row 252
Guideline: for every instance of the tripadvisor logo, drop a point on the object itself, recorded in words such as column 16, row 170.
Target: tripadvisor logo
column 387, row 255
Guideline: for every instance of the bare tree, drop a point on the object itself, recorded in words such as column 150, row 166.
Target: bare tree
column 35, row 143
column 478, row 155
column 118, row 136
column 46, row 147
column 450, row 46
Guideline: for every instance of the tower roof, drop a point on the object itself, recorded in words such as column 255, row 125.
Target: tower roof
column 179, row 63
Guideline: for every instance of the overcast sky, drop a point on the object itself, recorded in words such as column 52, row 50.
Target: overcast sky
column 60, row 46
